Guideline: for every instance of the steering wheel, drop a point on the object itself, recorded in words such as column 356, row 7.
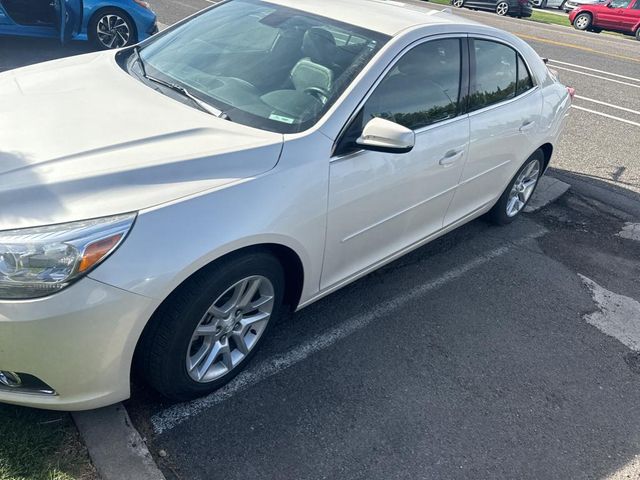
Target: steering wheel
column 318, row 93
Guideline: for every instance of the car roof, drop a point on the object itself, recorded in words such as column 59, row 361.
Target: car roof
column 389, row 17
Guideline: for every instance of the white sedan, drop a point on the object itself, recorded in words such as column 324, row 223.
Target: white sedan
column 163, row 204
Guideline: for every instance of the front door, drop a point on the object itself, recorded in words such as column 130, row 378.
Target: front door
column 382, row 203
column 68, row 15
column 630, row 17
column 610, row 16
column 4, row 18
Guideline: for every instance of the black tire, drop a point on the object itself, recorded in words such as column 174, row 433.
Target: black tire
column 543, row 4
column 92, row 29
column 582, row 21
column 561, row 7
column 638, row 34
column 502, row 8
column 163, row 349
column 498, row 214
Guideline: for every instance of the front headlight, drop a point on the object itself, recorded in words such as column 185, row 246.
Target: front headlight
column 35, row 262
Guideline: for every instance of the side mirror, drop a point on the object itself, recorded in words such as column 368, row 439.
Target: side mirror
column 382, row 135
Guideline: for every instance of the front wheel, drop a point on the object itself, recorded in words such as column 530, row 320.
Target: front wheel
column 207, row 331
column 519, row 191
column 112, row 28
column 582, row 21
column 502, row 8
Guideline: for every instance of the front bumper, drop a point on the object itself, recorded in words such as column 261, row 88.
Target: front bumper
column 79, row 341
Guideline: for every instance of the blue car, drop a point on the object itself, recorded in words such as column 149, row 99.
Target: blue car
column 105, row 23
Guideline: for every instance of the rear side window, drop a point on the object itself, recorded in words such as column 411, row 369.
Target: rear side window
column 423, row 87
column 496, row 72
column 524, row 78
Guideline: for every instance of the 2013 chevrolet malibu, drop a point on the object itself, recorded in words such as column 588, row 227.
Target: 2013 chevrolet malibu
column 162, row 204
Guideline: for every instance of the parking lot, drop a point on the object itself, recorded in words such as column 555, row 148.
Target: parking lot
column 490, row 353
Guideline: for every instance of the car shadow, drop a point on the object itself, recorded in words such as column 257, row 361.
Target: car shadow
column 18, row 52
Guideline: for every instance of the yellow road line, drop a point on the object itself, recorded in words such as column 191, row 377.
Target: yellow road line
column 577, row 47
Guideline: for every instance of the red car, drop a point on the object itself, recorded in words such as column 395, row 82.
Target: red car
column 618, row 15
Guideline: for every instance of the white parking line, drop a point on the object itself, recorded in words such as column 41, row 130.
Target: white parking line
column 636, row 112
column 176, row 414
column 623, row 120
column 595, row 70
column 597, row 76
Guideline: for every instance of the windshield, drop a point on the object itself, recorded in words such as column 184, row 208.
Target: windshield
column 263, row 65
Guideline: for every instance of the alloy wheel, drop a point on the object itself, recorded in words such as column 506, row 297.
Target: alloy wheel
column 113, row 31
column 230, row 329
column 522, row 188
column 502, row 8
column 582, row 22
column 458, row 3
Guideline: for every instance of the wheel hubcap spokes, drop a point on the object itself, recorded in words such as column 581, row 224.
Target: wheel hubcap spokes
column 230, row 329
column 523, row 188
column 582, row 22
column 502, row 8
column 113, row 31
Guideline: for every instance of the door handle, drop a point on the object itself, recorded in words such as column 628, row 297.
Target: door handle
column 451, row 157
column 527, row 125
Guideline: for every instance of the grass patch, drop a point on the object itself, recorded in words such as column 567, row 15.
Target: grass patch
column 41, row 445
column 544, row 17
column 440, row 2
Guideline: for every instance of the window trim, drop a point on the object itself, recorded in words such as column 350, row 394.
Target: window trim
column 463, row 92
column 472, row 73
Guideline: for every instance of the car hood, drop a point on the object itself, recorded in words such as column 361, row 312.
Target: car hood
column 80, row 138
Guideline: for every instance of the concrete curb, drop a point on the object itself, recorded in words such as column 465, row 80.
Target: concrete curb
column 115, row 446
column 549, row 190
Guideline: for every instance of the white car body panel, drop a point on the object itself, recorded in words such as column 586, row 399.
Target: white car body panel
column 204, row 187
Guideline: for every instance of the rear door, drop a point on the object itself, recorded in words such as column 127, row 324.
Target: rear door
column 504, row 108
column 69, row 15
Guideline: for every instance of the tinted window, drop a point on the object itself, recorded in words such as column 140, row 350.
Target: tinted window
column 637, row 5
column 421, row 89
column 620, row 3
column 496, row 74
column 524, row 79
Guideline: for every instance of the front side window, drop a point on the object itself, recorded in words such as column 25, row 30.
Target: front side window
column 620, row 3
column 263, row 65
column 422, row 88
column 636, row 6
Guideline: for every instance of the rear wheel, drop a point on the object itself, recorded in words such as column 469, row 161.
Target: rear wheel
column 519, row 191
column 502, row 8
column 112, row 28
column 458, row 3
column 561, row 7
column 206, row 332
column 582, row 21
column 638, row 34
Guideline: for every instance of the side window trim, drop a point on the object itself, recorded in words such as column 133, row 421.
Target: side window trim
column 464, row 87
column 472, row 71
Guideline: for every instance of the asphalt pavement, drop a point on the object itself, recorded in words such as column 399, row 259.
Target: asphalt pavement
column 490, row 353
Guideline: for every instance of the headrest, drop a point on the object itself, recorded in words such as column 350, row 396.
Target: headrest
column 319, row 45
